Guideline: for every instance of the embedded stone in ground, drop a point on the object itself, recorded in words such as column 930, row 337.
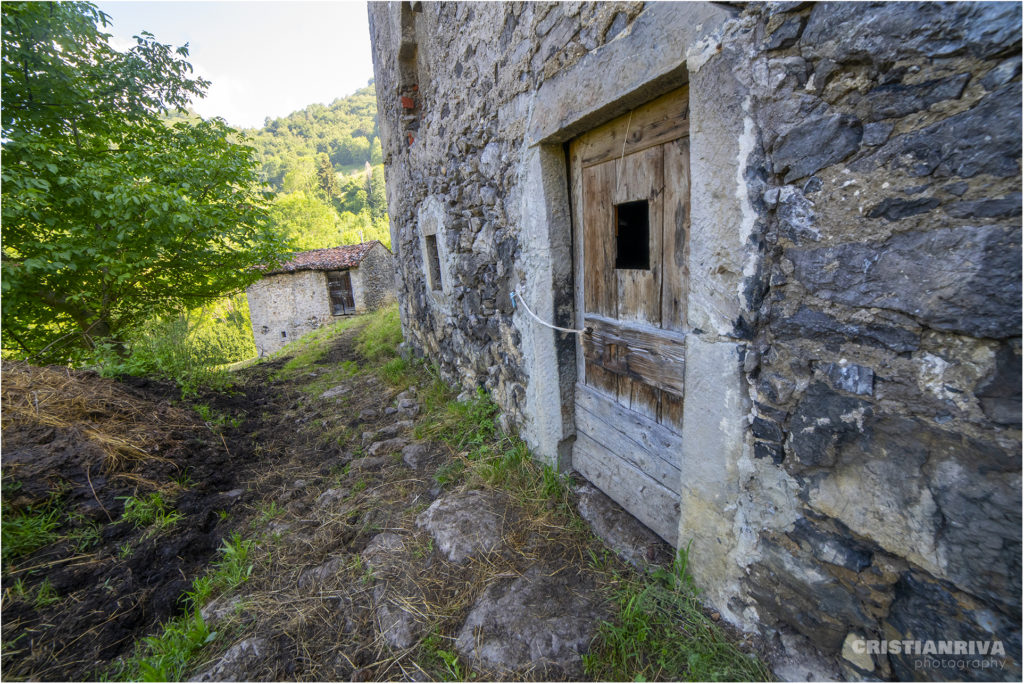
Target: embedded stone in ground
column 386, row 432
column 387, row 446
column 238, row 663
column 397, row 625
column 331, row 496
column 540, row 622
column 380, row 547
column 628, row 537
column 465, row 524
column 219, row 608
column 317, row 575
column 335, row 392
column 407, row 408
column 369, row 462
column 416, row 455
column 368, row 414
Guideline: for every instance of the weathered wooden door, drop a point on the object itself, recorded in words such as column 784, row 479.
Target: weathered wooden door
column 339, row 286
column 630, row 187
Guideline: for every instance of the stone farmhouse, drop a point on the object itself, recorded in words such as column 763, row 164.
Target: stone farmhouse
column 782, row 245
column 317, row 287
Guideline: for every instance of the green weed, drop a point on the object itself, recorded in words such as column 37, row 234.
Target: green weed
column 28, row 529
column 396, row 372
column 166, row 657
column 85, row 535
column 233, row 568
column 150, row 511
column 268, row 512
column 661, row 633
column 16, row 591
column 46, row 595
column 445, row 663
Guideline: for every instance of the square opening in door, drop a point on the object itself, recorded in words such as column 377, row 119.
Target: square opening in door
column 632, row 236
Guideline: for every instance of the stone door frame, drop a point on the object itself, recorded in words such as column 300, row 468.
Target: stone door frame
column 667, row 47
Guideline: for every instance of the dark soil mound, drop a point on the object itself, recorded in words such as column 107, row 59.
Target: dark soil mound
column 75, row 447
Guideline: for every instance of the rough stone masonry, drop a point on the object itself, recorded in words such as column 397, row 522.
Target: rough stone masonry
column 851, row 442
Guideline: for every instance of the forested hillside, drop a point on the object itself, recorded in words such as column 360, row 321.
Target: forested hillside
column 324, row 164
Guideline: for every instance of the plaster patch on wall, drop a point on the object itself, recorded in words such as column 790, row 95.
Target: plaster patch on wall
column 748, row 214
column 704, row 49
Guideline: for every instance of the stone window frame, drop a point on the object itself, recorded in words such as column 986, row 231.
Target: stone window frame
column 431, row 220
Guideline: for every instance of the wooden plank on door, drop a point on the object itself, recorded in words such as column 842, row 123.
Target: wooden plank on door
column 624, row 431
column 576, row 199
column 676, row 246
column 644, row 399
column 600, row 290
column 648, row 356
column 671, row 412
column 654, row 505
column 640, row 176
column 602, row 380
column 657, row 122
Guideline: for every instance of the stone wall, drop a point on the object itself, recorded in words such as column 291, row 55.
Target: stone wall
column 851, row 463
column 285, row 306
column 374, row 280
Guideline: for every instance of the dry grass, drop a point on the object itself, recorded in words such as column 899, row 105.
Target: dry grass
column 123, row 427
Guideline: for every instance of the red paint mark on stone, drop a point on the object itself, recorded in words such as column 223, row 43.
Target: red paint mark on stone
column 407, row 102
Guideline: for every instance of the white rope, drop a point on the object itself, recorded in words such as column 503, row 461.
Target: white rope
column 515, row 294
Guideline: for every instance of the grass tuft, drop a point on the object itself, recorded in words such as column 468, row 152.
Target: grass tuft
column 379, row 340
column 29, row 529
column 150, row 511
column 661, row 633
column 311, row 347
column 168, row 656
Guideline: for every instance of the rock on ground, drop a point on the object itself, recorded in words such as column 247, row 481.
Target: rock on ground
column 399, row 627
column 219, row 608
column 370, row 462
column 335, row 392
column 387, row 446
column 238, row 662
column 466, row 523
column 541, row 622
column 311, row 577
column 386, row 432
column 330, row 497
column 416, row 455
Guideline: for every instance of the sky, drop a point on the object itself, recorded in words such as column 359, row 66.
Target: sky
column 265, row 59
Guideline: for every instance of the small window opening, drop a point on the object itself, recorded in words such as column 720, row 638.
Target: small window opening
column 433, row 262
column 632, row 236
column 284, row 334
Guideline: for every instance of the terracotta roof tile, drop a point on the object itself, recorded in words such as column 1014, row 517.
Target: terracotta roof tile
column 346, row 256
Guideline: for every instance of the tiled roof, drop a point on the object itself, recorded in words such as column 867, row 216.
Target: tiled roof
column 346, row 256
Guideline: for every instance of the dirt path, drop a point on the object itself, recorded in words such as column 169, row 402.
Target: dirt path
column 392, row 537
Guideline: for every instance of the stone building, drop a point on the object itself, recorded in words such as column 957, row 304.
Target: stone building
column 790, row 235
column 317, row 287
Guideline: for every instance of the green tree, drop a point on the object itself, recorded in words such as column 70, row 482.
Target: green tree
column 111, row 215
column 326, row 178
column 307, row 222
